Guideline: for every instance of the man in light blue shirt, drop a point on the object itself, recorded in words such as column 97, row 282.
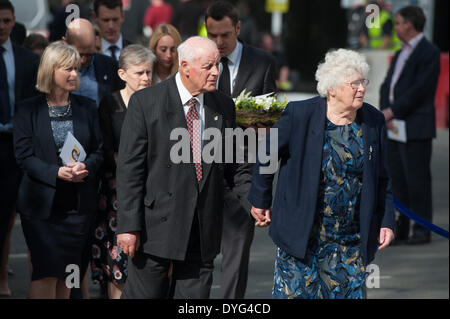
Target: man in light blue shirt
column 98, row 73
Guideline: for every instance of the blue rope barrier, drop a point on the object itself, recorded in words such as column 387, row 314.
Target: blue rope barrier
column 419, row 220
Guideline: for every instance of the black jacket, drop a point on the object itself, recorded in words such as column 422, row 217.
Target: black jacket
column 26, row 65
column 36, row 154
column 106, row 74
column 256, row 72
column 415, row 91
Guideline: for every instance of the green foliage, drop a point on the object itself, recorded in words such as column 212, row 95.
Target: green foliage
column 258, row 111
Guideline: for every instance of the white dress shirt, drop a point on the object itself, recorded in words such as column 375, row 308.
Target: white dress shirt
column 407, row 50
column 234, row 59
column 185, row 96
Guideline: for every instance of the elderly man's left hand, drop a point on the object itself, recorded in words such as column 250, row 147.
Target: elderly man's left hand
column 262, row 216
column 386, row 236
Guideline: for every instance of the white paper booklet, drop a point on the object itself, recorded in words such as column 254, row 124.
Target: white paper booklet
column 399, row 132
column 72, row 150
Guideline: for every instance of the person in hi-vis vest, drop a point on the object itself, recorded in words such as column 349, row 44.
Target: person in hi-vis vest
column 381, row 35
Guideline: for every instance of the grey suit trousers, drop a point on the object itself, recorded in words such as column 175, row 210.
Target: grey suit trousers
column 237, row 237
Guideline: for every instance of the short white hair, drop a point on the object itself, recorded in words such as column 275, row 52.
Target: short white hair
column 340, row 66
column 189, row 50
column 135, row 54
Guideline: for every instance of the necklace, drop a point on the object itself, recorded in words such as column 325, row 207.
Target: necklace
column 51, row 108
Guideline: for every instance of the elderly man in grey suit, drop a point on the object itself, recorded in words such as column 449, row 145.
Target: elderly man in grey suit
column 249, row 68
column 170, row 214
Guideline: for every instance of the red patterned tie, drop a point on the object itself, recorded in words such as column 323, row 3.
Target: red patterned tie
column 193, row 124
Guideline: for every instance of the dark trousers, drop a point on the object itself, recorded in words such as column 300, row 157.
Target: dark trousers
column 148, row 276
column 409, row 167
column 10, row 176
column 237, row 237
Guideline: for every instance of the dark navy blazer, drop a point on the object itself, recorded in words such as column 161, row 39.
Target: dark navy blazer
column 301, row 131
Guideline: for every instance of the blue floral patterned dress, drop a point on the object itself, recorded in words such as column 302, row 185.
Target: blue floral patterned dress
column 333, row 267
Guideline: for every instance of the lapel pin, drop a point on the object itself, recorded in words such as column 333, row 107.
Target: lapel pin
column 370, row 152
column 105, row 77
column 216, row 118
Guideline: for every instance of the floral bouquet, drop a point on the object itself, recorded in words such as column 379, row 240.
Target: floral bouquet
column 261, row 111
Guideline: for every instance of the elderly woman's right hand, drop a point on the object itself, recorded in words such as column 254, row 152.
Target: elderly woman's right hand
column 261, row 215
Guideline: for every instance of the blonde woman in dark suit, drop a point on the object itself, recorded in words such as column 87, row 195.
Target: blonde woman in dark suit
column 56, row 200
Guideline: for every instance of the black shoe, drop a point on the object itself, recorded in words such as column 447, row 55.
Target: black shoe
column 419, row 239
column 399, row 241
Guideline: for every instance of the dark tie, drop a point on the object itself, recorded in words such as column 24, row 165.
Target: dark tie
column 113, row 48
column 224, row 81
column 5, row 108
column 195, row 137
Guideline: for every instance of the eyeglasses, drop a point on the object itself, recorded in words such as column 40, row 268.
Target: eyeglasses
column 357, row 83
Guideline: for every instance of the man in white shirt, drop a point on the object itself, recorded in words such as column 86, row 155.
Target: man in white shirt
column 170, row 213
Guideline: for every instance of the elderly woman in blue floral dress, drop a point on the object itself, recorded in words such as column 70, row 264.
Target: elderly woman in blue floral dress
column 333, row 205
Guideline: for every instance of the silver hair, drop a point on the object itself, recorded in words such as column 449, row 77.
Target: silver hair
column 340, row 66
column 135, row 54
column 188, row 51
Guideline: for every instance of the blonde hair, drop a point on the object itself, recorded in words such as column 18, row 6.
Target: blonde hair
column 339, row 66
column 56, row 55
column 160, row 31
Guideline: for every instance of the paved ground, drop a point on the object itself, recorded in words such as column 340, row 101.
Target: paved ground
column 405, row 271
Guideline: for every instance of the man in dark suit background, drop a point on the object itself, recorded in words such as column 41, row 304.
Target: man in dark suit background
column 98, row 73
column 170, row 213
column 109, row 17
column 408, row 94
column 18, row 70
column 249, row 68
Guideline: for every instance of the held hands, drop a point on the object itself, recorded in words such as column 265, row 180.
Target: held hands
column 385, row 237
column 262, row 216
column 74, row 172
column 129, row 242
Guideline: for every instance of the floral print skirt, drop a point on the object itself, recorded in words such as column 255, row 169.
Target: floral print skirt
column 108, row 263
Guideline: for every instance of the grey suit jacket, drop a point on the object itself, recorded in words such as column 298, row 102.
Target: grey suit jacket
column 158, row 197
